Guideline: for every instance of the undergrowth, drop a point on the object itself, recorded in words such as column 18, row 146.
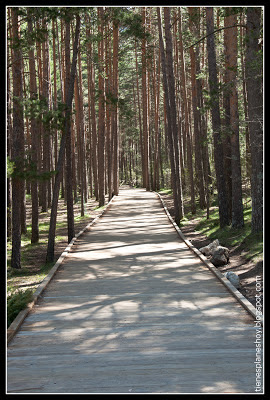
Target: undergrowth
column 16, row 302
column 251, row 243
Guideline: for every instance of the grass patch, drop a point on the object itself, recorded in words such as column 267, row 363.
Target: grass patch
column 100, row 208
column 16, row 302
column 21, row 284
column 252, row 243
column 81, row 218
column 165, row 191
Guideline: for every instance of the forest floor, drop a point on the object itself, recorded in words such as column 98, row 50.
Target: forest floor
column 33, row 256
column 34, row 268
column 247, row 270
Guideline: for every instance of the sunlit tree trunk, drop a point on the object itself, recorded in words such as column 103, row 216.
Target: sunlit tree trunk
column 91, row 104
column 115, row 127
column 139, row 112
column 34, row 138
column 101, row 112
column 186, row 116
column 194, row 69
column 172, row 103
column 46, row 192
column 145, row 108
column 68, row 171
column 168, row 126
column 59, row 167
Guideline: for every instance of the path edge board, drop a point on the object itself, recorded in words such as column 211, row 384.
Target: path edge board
column 17, row 322
column 239, row 297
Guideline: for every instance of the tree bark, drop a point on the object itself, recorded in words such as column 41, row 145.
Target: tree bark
column 17, row 142
column 146, row 182
column 59, row 167
column 101, row 113
column 186, row 115
column 139, row 109
column 46, row 192
column 255, row 113
column 109, row 114
column 194, row 69
column 172, row 105
column 115, row 128
column 91, row 104
column 81, row 137
column 237, row 205
column 216, row 123
column 156, row 95
column 34, row 137
column 68, row 171
column 227, row 122
column 168, row 126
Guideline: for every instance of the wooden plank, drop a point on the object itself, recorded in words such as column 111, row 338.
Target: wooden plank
column 133, row 310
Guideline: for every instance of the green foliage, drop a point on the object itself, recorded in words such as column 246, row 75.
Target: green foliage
column 10, row 167
column 130, row 22
column 166, row 191
column 16, row 302
column 28, row 170
column 227, row 11
column 38, row 109
column 231, row 237
column 111, row 98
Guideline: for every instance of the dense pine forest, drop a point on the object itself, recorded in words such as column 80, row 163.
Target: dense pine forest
column 153, row 97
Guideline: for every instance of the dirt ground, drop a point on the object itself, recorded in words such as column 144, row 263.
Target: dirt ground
column 245, row 269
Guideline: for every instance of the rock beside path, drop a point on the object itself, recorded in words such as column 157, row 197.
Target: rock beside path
column 219, row 254
column 233, row 278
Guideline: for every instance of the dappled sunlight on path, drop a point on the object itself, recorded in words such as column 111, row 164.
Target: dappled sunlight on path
column 133, row 310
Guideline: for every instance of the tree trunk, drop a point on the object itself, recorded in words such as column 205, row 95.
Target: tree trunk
column 244, row 92
column 140, row 118
column 227, row 122
column 186, row 115
column 109, row 114
column 115, row 133
column 101, row 113
column 91, row 104
column 156, row 95
column 255, row 113
column 145, row 108
column 59, row 167
column 237, row 205
column 69, row 181
column 34, row 137
column 216, row 123
column 46, row 134
column 81, row 138
column 172, row 105
column 17, row 142
column 9, row 128
column 168, row 126
column 194, row 69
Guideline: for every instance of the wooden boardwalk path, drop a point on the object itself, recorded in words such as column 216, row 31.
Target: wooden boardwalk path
column 133, row 310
